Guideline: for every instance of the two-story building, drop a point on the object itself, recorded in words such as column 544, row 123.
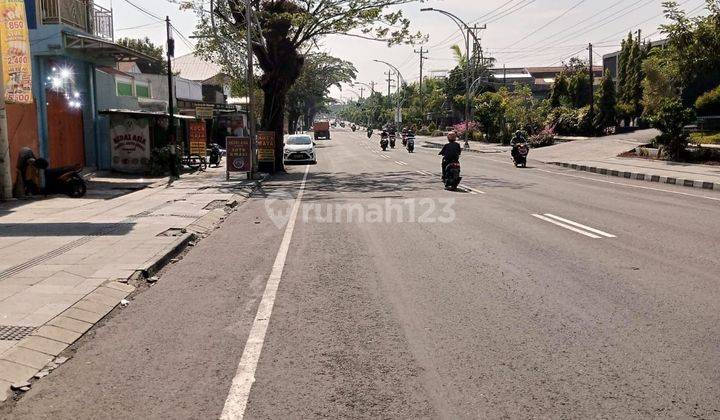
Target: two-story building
column 69, row 40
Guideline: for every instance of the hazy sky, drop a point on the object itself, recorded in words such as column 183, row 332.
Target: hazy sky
column 519, row 32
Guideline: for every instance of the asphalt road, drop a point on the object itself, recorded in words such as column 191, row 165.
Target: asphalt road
column 534, row 292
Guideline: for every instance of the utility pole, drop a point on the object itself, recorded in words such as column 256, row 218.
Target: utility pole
column 504, row 75
column 372, row 87
column 422, row 53
column 251, row 92
column 389, row 80
column 172, row 132
column 362, row 92
column 5, row 171
column 477, row 47
column 592, row 83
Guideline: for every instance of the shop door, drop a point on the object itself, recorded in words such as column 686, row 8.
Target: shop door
column 65, row 132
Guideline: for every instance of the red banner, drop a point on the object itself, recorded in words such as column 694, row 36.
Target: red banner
column 239, row 154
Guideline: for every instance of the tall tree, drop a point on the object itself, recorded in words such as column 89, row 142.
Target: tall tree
column 606, row 115
column 559, row 91
column 283, row 30
column 623, row 65
column 310, row 92
column 145, row 46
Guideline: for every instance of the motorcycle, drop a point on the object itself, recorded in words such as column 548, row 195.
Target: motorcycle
column 392, row 141
column 519, row 154
column 452, row 176
column 410, row 144
column 353, row 127
column 384, row 143
column 369, row 133
column 404, row 139
column 215, row 155
column 64, row 180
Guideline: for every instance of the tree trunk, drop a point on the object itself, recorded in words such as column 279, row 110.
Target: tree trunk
column 274, row 117
column 293, row 118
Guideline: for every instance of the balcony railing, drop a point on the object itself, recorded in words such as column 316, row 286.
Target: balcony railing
column 81, row 14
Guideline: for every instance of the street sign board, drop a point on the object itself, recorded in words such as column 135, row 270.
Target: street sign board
column 15, row 52
column 204, row 112
column 197, row 137
column 266, row 146
column 239, row 154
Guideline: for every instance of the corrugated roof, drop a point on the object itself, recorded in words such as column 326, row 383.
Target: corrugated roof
column 194, row 68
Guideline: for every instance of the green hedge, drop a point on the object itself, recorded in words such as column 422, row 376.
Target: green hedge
column 709, row 103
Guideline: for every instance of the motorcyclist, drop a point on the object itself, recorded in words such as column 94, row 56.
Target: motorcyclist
column 518, row 139
column 450, row 152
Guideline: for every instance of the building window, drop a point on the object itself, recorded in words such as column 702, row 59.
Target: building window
column 142, row 91
column 124, row 88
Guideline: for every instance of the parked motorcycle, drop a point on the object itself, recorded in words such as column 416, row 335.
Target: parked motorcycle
column 519, row 154
column 452, row 176
column 62, row 180
column 215, row 154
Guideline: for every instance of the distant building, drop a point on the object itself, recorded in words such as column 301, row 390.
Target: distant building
column 539, row 79
column 611, row 62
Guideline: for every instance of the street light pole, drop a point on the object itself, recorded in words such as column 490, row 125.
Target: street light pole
column 400, row 100
column 468, row 32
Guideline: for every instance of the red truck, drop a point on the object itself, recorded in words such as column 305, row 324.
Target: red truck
column 321, row 130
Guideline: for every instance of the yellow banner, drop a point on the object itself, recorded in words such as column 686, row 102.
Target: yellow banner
column 15, row 51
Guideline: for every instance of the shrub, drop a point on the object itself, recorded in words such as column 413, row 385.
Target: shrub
column 460, row 128
column 565, row 120
column 423, row 132
column 432, row 127
column 709, row 103
column 544, row 138
column 438, row 133
column 478, row 136
column 671, row 118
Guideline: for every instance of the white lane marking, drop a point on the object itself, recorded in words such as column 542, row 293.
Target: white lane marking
column 467, row 190
column 385, row 156
column 472, row 190
column 237, row 398
column 555, row 222
column 401, row 163
column 576, row 224
column 629, row 185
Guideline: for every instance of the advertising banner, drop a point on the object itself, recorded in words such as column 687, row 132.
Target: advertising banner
column 15, row 52
column 266, row 146
column 129, row 143
column 239, row 154
column 197, row 137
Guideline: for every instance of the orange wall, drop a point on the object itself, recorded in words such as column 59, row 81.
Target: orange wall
column 22, row 131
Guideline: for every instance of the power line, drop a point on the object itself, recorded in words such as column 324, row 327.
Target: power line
column 560, row 16
column 453, row 35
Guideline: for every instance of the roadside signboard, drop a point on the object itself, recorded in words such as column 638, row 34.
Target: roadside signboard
column 15, row 52
column 266, row 146
column 204, row 112
column 239, row 154
column 197, row 137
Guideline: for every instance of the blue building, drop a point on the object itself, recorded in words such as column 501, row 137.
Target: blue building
column 69, row 40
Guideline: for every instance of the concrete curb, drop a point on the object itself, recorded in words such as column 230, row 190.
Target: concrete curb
column 37, row 355
column 641, row 176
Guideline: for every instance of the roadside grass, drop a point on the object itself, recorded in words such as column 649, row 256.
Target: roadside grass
column 705, row 138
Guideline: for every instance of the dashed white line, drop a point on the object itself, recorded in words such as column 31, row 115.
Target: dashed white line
column 581, row 226
column 401, row 163
column 472, row 190
column 237, row 398
column 573, row 226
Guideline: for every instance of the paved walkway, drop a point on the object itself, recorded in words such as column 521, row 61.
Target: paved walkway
column 58, row 254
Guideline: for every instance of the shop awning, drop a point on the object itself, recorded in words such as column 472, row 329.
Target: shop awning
column 144, row 113
column 102, row 48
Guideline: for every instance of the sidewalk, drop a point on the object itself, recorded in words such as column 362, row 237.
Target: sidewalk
column 600, row 155
column 65, row 263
